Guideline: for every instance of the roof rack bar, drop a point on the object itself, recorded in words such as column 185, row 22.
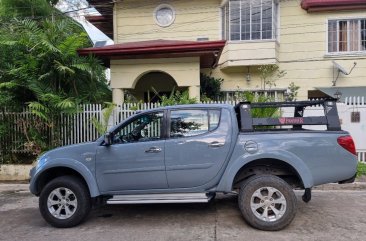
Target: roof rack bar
column 330, row 118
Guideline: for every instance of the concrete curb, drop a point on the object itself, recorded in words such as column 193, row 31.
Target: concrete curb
column 349, row 186
column 14, row 172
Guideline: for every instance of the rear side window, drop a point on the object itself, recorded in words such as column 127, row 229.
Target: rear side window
column 186, row 123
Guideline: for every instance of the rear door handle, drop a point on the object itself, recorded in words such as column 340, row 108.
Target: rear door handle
column 153, row 149
column 216, row 144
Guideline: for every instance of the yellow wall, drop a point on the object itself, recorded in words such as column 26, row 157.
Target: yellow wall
column 300, row 49
column 135, row 20
column 126, row 73
column 303, row 53
column 238, row 53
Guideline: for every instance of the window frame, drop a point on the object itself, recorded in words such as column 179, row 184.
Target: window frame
column 168, row 122
column 226, row 29
column 348, row 52
column 277, row 92
column 163, row 133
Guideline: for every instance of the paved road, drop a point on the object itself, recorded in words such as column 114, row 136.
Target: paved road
column 331, row 215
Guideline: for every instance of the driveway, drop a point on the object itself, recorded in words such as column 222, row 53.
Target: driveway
column 331, row 215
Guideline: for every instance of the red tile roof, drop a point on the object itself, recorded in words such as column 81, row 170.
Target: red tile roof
column 328, row 5
column 159, row 49
column 154, row 46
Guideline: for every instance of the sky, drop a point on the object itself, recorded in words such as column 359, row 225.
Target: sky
column 80, row 8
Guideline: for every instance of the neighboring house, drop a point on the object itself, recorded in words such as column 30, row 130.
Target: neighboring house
column 166, row 44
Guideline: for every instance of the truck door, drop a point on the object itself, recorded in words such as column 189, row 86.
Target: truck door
column 135, row 160
column 197, row 147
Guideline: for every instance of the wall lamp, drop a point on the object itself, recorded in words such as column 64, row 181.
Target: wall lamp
column 248, row 76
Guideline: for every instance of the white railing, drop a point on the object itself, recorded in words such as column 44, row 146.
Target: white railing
column 78, row 128
column 355, row 100
column 361, row 156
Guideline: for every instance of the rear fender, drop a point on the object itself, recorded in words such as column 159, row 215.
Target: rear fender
column 234, row 166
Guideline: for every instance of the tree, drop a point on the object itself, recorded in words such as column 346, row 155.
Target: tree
column 26, row 8
column 269, row 74
column 293, row 91
column 46, row 57
column 210, row 87
column 40, row 68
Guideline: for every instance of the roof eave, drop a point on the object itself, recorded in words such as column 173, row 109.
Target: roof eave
column 332, row 5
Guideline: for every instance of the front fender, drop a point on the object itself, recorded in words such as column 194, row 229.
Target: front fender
column 234, row 166
column 68, row 163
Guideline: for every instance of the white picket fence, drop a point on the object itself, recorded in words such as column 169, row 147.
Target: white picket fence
column 78, row 128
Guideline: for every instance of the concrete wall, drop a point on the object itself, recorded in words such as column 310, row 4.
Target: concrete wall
column 239, row 53
column 303, row 49
column 126, row 73
column 14, row 172
column 193, row 19
column 300, row 50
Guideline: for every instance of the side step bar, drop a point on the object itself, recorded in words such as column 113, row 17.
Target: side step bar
column 161, row 198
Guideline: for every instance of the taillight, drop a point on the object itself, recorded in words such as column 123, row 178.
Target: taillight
column 347, row 143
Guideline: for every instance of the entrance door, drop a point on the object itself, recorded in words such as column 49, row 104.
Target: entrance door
column 135, row 160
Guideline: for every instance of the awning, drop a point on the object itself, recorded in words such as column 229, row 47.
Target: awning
column 329, row 5
column 344, row 91
column 208, row 51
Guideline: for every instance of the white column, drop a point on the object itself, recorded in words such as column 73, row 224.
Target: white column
column 194, row 92
column 118, row 96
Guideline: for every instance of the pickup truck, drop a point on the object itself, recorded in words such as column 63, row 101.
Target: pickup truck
column 188, row 153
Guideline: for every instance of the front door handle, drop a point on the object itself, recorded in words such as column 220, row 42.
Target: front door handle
column 216, row 144
column 153, row 149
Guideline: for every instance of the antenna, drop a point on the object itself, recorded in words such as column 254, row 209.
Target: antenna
column 340, row 69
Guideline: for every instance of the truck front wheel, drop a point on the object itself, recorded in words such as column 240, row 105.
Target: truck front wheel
column 64, row 202
column 267, row 202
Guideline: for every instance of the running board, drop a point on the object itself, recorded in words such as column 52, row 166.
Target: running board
column 161, row 198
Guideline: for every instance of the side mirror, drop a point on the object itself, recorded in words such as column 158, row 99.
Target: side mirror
column 107, row 139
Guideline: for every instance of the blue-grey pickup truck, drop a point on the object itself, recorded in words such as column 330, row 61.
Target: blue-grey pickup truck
column 188, row 153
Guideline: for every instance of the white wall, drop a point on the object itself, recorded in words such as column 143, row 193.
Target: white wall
column 357, row 130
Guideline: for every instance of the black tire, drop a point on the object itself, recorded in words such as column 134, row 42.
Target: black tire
column 264, row 183
column 79, row 192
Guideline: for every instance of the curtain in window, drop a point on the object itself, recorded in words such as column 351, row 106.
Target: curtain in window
column 363, row 34
column 332, row 36
column 353, row 35
column 342, row 36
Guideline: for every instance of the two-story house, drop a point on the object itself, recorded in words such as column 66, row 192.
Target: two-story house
column 166, row 44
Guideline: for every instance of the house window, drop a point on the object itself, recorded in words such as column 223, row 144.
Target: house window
column 346, row 35
column 275, row 95
column 250, row 19
column 355, row 117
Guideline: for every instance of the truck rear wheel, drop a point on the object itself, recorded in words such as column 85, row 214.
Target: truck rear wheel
column 267, row 202
column 65, row 202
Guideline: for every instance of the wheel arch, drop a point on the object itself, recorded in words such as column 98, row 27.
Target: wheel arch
column 286, row 161
column 51, row 173
column 268, row 166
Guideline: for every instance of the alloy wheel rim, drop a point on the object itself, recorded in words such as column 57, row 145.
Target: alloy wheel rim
column 62, row 203
column 268, row 204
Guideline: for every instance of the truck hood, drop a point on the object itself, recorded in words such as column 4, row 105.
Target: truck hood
column 84, row 152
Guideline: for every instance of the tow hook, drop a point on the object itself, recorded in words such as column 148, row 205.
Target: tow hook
column 307, row 195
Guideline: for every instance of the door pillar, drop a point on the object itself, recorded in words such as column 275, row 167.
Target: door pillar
column 118, row 96
column 194, row 92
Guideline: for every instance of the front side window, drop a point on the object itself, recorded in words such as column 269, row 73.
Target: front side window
column 346, row 35
column 250, row 19
column 186, row 123
column 146, row 127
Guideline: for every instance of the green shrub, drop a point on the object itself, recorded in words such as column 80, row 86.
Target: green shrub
column 361, row 169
